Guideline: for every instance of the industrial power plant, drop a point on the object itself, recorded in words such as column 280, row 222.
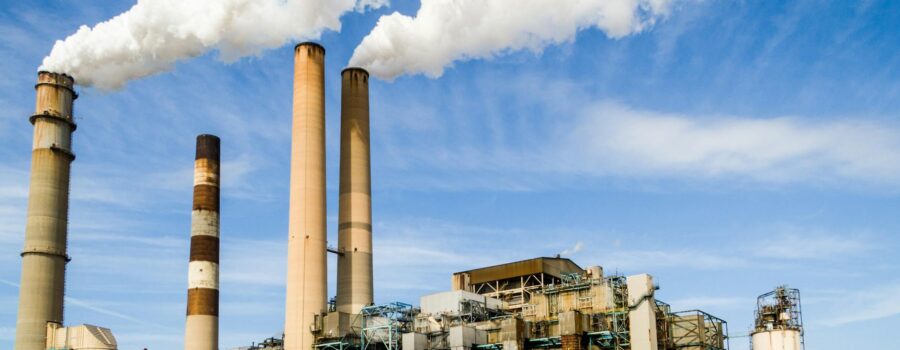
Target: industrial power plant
column 535, row 303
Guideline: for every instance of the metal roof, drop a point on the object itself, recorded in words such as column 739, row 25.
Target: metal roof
column 551, row 266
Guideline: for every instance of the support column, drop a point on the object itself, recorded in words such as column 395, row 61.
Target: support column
column 642, row 317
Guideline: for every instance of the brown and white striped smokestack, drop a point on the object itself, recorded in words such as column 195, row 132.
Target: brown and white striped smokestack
column 306, row 261
column 354, row 282
column 46, row 227
column 202, row 327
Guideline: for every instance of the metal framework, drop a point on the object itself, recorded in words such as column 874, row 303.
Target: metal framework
column 554, row 342
column 698, row 330
column 780, row 310
column 614, row 323
column 335, row 345
column 517, row 291
column 267, row 344
column 381, row 325
column 664, row 326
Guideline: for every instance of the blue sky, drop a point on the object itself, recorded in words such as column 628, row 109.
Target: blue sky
column 735, row 146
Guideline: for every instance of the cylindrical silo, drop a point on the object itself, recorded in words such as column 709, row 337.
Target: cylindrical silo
column 202, row 326
column 778, row 339
column 306, row 269
column 779, row 321
column 354, row 282
column 44, row 257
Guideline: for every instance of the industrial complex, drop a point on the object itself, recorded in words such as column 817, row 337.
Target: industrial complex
column 537, row 303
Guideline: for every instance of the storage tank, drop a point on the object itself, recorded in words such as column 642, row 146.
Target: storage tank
column 778, row 339
column 779, row 321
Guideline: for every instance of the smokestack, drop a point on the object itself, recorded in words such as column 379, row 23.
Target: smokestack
column 44, row 257
column 306, row 270
column 202, row 326
column 354, row 281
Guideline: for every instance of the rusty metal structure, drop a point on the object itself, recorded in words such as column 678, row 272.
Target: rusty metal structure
column 514, row 283
column 44, row 257
column 697, row 330
column 306, row 267
column 540, row 303
column 202, row 325
column 779, row 321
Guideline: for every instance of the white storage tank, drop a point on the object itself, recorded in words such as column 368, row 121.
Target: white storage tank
column 777, row 340
column 779, row 321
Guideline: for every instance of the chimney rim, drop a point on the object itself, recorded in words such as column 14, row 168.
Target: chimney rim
column 351, row 69
column 208, row 147
column 310, row 43
column 44, row 71
column 207, row 135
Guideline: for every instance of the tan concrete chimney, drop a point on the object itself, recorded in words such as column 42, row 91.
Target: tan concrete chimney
column 44, row 257
column 354, row 282
column 306, row 270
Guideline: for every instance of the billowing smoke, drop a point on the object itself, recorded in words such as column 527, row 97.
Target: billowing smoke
column 444, row 31
column 154, row 34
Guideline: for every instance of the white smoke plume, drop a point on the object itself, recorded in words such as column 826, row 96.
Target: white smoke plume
column 154, row 34
column 444, row 31
column 579, row 246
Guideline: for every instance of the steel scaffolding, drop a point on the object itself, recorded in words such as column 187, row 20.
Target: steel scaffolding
column 698, row 330
column 382, row 325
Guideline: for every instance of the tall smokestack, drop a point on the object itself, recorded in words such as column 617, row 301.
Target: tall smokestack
column 44, row 257
column 202, row 326
column 354, row 280
column 306, row 270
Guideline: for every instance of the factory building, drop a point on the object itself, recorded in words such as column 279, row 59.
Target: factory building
column 539, row 303
column 544, row 302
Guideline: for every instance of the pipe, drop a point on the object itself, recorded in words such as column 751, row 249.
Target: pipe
column 354, row 280
column 306, row 269
column 202, row 325
column 44, row 257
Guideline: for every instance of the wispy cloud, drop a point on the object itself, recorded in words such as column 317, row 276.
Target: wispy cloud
column 93, row 307
column 863, row 305
column 711, row 302
column 574, row 249
column 610, row 139
column 673, row 258
column 90, row 306
column 812, row 246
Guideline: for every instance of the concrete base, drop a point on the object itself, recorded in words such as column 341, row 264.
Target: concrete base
column 414, row 341
column 463, row 337
column 208, row 327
